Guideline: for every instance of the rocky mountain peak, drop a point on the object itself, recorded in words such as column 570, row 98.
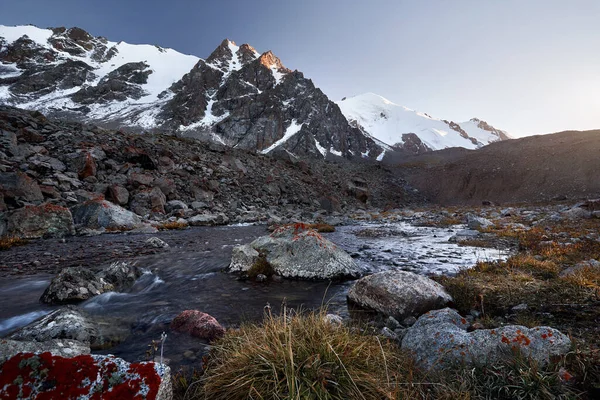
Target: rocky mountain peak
column 487, row 127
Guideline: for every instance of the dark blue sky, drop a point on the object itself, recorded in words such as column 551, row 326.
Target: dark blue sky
column 526, row 66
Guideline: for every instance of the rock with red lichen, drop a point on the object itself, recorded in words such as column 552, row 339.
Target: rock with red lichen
column 440, row 338
column 46, row 220
column 198, row 324
column 49, row 376
column 297, row 251
column 60, row 347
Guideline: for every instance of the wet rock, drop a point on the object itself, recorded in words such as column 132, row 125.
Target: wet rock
column 261, row 278
column 120, row 275
column 243, row 257
column 294, row 251
column 74, row 285
column 208, row 220
column 398, row 294
column 40, row 221
column 60, row 347
column 464, row 235
column 198, row 324
column 440, row 338
column 156, row 243
column 64, row 323
column 475, row 222
column 49, row 375
column 95, row 214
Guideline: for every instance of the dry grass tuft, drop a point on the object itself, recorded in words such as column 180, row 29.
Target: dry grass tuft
column 302, row 356
column 172, row 225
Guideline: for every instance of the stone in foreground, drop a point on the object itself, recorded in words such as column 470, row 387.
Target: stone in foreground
column 29, row 375
column 198, row 324
column 295, row 251
column 74, row 285
column 440, row 338
column 399, row 294
column 59, row 347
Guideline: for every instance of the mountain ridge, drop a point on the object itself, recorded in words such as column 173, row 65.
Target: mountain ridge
column 236, row 97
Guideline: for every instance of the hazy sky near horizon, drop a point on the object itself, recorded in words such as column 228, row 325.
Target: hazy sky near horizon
column 525, row 66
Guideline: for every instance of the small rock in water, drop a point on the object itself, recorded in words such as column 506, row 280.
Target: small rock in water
column 157, row 243
column 261, row 278
column 198, row 324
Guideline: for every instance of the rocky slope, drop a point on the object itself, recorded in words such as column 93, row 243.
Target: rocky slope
column 399, row 128
column 157, row 176
column 235, row 97
column 558, row 166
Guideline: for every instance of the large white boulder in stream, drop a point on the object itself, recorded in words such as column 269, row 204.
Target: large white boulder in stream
column 296, row 251
column 399, row 294
column 440, row 338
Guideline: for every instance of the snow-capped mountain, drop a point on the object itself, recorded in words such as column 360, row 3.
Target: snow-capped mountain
column 237, row 96
column 400, row 127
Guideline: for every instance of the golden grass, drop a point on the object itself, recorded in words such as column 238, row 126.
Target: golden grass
column 7, row 242
column 302, row 356
column 172, row 225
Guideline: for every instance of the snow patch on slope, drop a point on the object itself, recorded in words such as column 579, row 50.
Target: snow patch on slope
column 289, row 132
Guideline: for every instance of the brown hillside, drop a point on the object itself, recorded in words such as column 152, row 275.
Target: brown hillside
column 536, row 168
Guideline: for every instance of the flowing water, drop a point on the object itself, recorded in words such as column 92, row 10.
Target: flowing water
column 188, row 276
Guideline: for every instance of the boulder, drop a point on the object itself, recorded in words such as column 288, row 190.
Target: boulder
column 48, row 375
column 59, row 347
column 117, row 194
column 73, row 285
column 89, row 167
column 73, row 324
column 399, row 294
column 475, row 222
column 147, row 201
column 47, row 220
column 208, row 220
column 440, row 338
column 156, row 243
column 175, row 205
column 95, row 214
column 120, row 275
column 18, row 186
column 581, row 266
column 295, row 251
column 64, row 323
column 198, row 324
